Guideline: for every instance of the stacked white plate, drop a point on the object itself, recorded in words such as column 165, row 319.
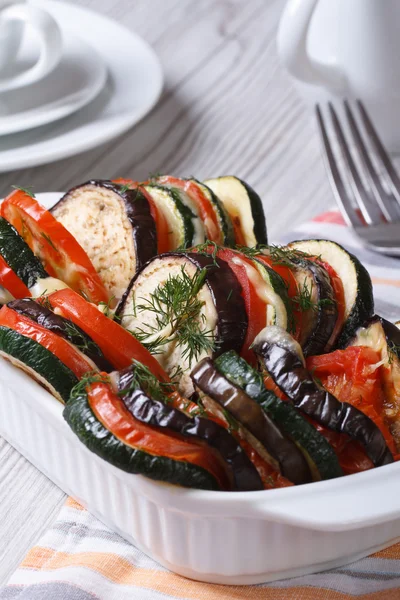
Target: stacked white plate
column 107, row 80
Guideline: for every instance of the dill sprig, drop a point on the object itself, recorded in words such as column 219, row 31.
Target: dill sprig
column 106, row 307
column 393, row 351
column 252, row 252
column 143, row 379
column 304, row 299
column 209, row 249
column 178, row 316
column 282, row 255
column 27, row 190
column 86, row 381
column 124, row 187
column 84, row 343
column 50, row 242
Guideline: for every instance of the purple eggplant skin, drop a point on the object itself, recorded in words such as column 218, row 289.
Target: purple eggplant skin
column 226, row 294
column 287, row 370
column 138, row 211
column 63, row 327
column 323, row 316
column 244, row 475
column 248, row 413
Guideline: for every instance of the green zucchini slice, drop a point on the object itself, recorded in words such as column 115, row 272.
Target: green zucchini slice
column 179, row 217
column 19, row 256
column 357, row 285
column 318, row 452
column 244, row 206
column 29, row 356
column 98, row 439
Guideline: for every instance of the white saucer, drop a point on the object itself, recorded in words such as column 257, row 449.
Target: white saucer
column 76, row 81
column 133, row 86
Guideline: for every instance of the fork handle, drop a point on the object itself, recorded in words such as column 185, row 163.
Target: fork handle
column 292, row 47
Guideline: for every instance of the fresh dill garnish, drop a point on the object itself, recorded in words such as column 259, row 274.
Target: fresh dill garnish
column 124, row 187
column 178, row 316
column 84, row 343
column 393, row 351
column 50, row 241
column 84, row 295
column 232, row 423
column 205, row 250
column 252, row 252
column 106, row 307
column 155, row 176
column 44, row 301
column 281, row 255
column 87, row 380
column 28, row 190
column 229, row 295
column 143, row 379
column 304, row 299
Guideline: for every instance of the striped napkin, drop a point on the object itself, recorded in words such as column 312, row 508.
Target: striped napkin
column 81, row 559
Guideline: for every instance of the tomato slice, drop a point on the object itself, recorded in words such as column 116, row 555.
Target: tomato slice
column 11, row 282
column 66, row 352
column 111, row 411
column 58, row 250
column 118, row 345
column 158, row 216
column 353, row 375
column 255, row 305
column 204, row 206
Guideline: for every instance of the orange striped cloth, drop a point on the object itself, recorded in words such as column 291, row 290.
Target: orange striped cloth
column 79, row 558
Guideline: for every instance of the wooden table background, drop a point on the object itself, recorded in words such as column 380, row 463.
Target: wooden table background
column 227, row 108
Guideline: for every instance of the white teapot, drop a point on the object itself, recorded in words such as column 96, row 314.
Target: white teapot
column 347, row 49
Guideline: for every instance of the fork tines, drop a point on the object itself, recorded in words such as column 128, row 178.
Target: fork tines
column 377, row 203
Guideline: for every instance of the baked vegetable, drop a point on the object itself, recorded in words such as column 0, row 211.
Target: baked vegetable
column 182, row 307
column 357, row 286
column 217, row 226
column 102, row 422
column 244, row 207
column 114, row 225
column 61, row 255
column 319, row 454
column 117, row 345
column 150, row 403
column 259, row 428
column 283, row 360
column 19, row 267
column 37, row 361
column 279, row 307
column 43, row 316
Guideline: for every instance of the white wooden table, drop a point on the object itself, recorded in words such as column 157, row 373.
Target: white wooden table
column 227, row 108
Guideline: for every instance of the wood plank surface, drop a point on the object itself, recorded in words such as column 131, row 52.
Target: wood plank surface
column 227, row 108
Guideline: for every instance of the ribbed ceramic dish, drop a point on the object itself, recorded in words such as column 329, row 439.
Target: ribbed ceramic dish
column 219, row 537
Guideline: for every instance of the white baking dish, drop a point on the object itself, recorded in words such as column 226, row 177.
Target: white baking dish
column 219, row 537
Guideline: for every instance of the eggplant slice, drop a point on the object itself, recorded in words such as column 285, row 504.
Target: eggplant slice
column 241, row 472
column 384, row 337
column 282, row 358
column 318, row 305
column 156, row 302
column 115, row 227
column 281, row 452
column 63, row 327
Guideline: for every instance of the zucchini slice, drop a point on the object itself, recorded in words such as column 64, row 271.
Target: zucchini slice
column 283, row 360
column 91, row 430
column 244, row 206
column 261, row 431
column 159, row 414
column 318, row 452
column 317, row 303
column 183, row 307
column 19, row 256
column 33, row 358
column 357, row 286
column 63, row 327
column 384, row 337
column 224, row 220
column 114, row 226
column 178, row 216
column 280, row 310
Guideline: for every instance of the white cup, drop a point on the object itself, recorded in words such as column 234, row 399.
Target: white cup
column 15, row 17
column 339, row 49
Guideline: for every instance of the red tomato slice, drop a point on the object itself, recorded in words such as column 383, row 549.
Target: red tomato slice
column 352, row 376
column 11, row 282
column 118, row 345
column 255, row 306
column 158, row 216
column 204, row 206
column 111, row 411
column 70, row 356
column 58, row 250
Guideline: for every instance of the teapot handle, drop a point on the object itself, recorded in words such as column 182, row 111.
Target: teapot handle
column 292, row 47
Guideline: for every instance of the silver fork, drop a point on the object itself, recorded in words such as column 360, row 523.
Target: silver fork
column 378, row 225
